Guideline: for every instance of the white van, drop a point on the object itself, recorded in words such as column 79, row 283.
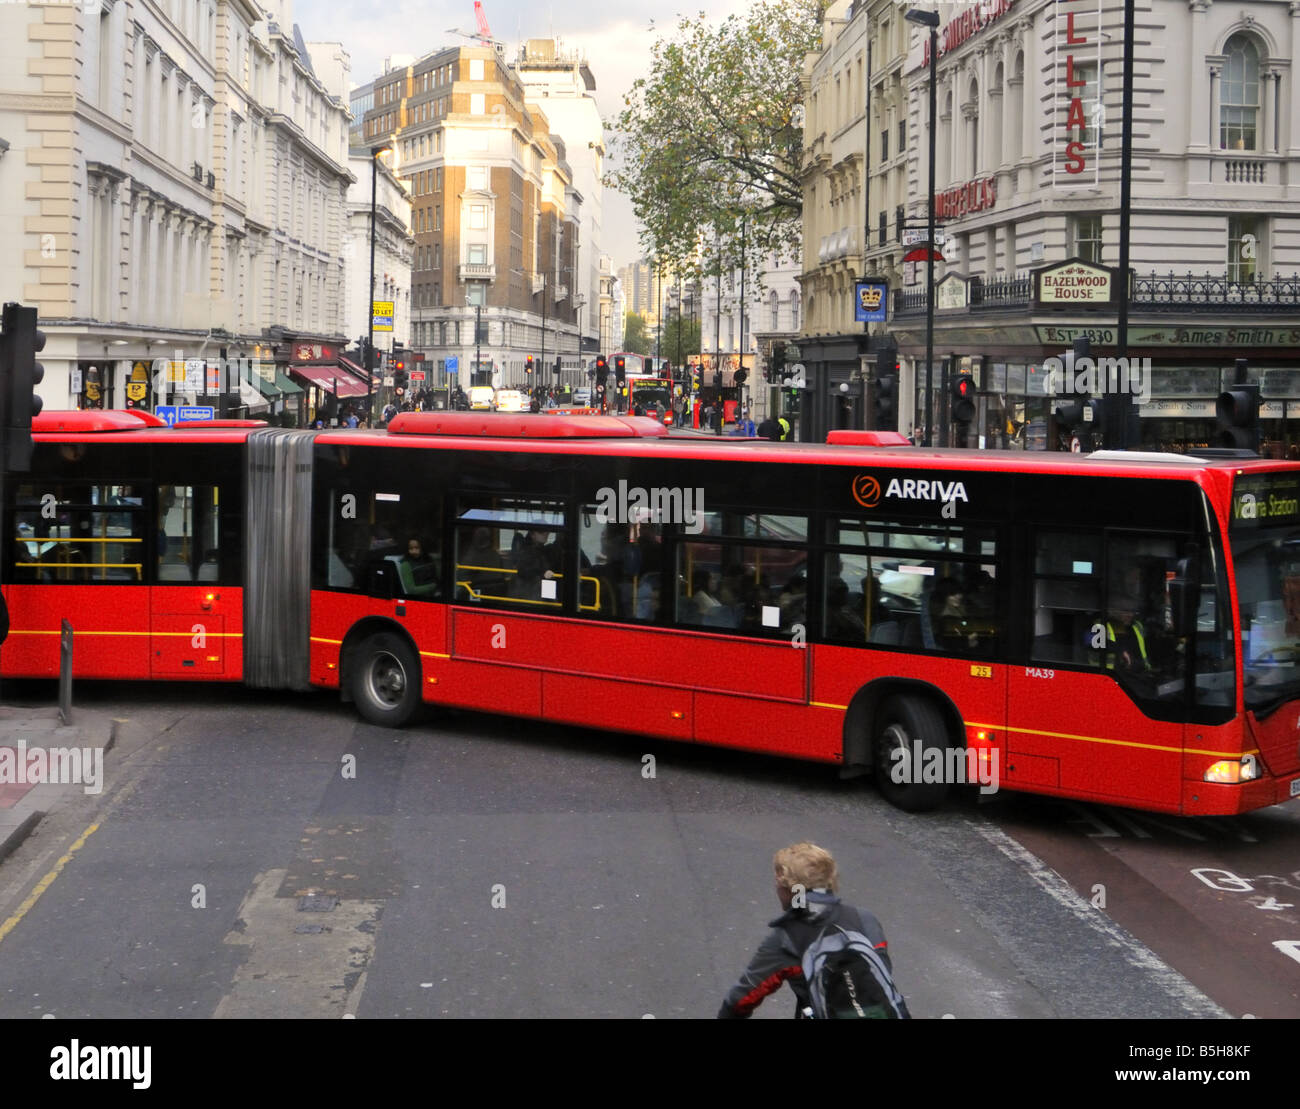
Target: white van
column 482, row 397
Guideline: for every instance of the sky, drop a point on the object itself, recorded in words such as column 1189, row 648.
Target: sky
column 615, row 35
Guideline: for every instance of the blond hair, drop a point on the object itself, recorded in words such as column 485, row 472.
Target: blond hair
column 807, row 865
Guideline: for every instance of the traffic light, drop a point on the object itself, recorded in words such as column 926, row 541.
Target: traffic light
column 528, row 364
column 558, row 365
column 602, row 370
column 620, row 369
column 20, row 342
column 963, row 398
column 887, row 401
column 738, row 378
column 400, row 377
column 1237, row 414
column 717, row 379
column 776, row 372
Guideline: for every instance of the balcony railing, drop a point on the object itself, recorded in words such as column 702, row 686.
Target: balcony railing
column 478, row 271
column 1245, row 171
column 1155, row 292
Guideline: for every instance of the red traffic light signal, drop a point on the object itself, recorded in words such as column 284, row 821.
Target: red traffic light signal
column 620, row 368
column 963, row 398
column 528, row 365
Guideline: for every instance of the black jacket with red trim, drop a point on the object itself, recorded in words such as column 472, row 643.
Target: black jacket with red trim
column 779, row 957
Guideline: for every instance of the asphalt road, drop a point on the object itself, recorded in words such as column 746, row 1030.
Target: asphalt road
column 259, row 855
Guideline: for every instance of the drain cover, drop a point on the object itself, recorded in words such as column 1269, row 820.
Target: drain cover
column 317, row 903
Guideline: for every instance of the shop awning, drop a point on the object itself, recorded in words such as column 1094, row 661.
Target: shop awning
column 332, row 379
column 251, row 399
column 356, row 370
column 286, row 384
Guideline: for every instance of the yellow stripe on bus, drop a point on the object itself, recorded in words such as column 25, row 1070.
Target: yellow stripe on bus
column 79, row 634
column 1114, row 742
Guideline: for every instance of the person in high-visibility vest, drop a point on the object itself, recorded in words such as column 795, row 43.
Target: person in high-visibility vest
column 1126, row 639
column 785, row 428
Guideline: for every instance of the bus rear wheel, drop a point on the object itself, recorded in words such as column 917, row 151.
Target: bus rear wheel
column 385, row 680
column 906, row 729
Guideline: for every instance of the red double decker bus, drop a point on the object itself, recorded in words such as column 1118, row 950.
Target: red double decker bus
column 1120, row 628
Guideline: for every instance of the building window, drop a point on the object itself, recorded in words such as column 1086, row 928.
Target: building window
column 477, row 254
column 474, row 293
column 478, row 217
column 884, row 146
column 902, row 136
column 477, row 104
column 1239, row 95
column 1244, row 235
column 884, row 227
column 477, row 177
column 1087, row 238
column 476, row 69
column 898, row 223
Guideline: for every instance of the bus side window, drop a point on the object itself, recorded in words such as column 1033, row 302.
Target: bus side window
column 1067, row 597
column 188, row 534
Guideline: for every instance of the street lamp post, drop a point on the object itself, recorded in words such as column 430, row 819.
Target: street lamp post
column 930, row 20
column 375, row 153
column 478, row 339
column 659, row 306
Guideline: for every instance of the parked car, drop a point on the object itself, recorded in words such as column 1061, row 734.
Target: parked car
column 581, row 398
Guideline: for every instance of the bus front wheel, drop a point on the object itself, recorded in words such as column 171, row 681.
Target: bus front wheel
column 386, row 680
column 908, row 777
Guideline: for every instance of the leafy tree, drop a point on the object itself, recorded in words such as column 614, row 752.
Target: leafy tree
column 711, row 142
column 679, row 349
column 635, row 338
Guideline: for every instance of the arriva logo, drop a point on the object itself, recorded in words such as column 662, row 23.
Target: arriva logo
column 918, row 489
column 867, row 491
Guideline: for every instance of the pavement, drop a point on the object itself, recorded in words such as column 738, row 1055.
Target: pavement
column 45, row 763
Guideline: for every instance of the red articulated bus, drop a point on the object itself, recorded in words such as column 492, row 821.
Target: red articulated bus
column 1119, row 627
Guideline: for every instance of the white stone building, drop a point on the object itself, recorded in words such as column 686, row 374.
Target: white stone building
column 174, row 191
column 394, row 250
column 560, row 83
column 1027, row 176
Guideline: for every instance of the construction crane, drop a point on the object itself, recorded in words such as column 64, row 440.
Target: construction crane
column 484, row 33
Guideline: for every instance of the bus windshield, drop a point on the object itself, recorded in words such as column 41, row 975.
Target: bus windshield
column 1265, row 541
column 651, row 396
column 1268, row 590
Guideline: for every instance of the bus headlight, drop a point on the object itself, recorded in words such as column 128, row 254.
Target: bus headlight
column 1233, row 771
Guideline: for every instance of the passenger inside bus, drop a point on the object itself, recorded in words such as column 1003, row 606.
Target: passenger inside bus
column 417, row 570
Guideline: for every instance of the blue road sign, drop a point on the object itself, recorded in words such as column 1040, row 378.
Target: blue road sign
column 185, row 414
column 453, row 364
